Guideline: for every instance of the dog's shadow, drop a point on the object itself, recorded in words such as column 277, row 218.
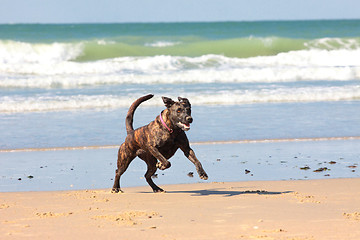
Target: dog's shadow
column 228, row 193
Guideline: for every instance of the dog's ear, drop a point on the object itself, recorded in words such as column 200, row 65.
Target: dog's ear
column 168, row 102
column 184, row 101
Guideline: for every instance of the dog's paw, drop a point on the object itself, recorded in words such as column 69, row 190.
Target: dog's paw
column 159, row 190
column 161, row 166
column 116, row 190
column 203, row 175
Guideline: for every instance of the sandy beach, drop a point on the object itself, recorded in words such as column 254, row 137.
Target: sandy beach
column 302, row 209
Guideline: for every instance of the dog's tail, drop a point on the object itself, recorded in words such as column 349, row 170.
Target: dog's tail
column 130, row 114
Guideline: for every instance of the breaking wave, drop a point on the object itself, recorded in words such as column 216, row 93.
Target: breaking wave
column 304, row 65
column 209, row 97
column 86, row 50
column 83, row 74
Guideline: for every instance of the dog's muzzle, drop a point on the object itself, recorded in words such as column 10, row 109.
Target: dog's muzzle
column 185, row 126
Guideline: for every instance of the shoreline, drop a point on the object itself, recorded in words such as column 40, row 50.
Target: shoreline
column 296, row 209
column 231, row 162
column 245, row 141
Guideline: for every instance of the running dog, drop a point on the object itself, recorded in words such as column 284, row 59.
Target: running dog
column 158, row 141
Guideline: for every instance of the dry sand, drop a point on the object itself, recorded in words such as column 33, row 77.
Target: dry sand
column 307, row 209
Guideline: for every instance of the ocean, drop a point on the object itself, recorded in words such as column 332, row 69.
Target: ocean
column 70, row 85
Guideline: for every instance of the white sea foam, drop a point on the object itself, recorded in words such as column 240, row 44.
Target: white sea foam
column 333, row 43
column 53, row 71
column 50, row 66
column 62, row 103
column 162, row 44
column 13, row 52
column 105, row 42
column 210, row 97
column 311, row 58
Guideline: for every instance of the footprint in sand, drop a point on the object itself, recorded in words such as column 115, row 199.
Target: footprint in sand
column 52, row 214
column 128, row 218
column 353, row 216
column 3, row 206
column 305, row 198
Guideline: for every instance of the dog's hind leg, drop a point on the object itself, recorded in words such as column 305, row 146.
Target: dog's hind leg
column 124, row 160
column 116, row 186
column 151, row 169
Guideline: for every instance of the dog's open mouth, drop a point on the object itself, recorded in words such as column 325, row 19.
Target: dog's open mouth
column 183, row 126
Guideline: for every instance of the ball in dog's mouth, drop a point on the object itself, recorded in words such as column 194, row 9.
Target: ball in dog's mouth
column 183, row 126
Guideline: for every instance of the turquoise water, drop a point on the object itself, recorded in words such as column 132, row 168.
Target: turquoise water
column 231, row 39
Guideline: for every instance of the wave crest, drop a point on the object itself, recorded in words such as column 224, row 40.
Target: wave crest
column 94, row 50
column 305, row 65
column 12, row 52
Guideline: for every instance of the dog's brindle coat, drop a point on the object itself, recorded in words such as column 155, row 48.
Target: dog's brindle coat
column 156, row 141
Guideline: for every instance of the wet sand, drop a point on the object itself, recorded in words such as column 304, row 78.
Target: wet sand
column 232, row 161
column 301, row 209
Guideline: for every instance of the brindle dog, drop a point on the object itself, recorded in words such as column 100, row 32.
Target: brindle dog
column 158, row 141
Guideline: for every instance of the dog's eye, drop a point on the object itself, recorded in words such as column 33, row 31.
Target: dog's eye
column 178, row 110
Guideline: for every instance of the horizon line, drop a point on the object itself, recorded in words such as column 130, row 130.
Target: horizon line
column 185, row 21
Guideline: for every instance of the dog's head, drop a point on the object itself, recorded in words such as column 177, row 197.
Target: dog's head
column 180, row 112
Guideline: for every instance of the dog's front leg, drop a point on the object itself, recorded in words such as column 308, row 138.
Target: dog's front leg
column 190, row 154
column 164, row 163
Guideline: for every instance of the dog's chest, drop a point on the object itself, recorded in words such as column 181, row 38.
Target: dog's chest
column 164, row 142
column 167, row 147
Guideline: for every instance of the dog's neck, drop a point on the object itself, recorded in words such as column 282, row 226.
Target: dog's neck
column 165, row 121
